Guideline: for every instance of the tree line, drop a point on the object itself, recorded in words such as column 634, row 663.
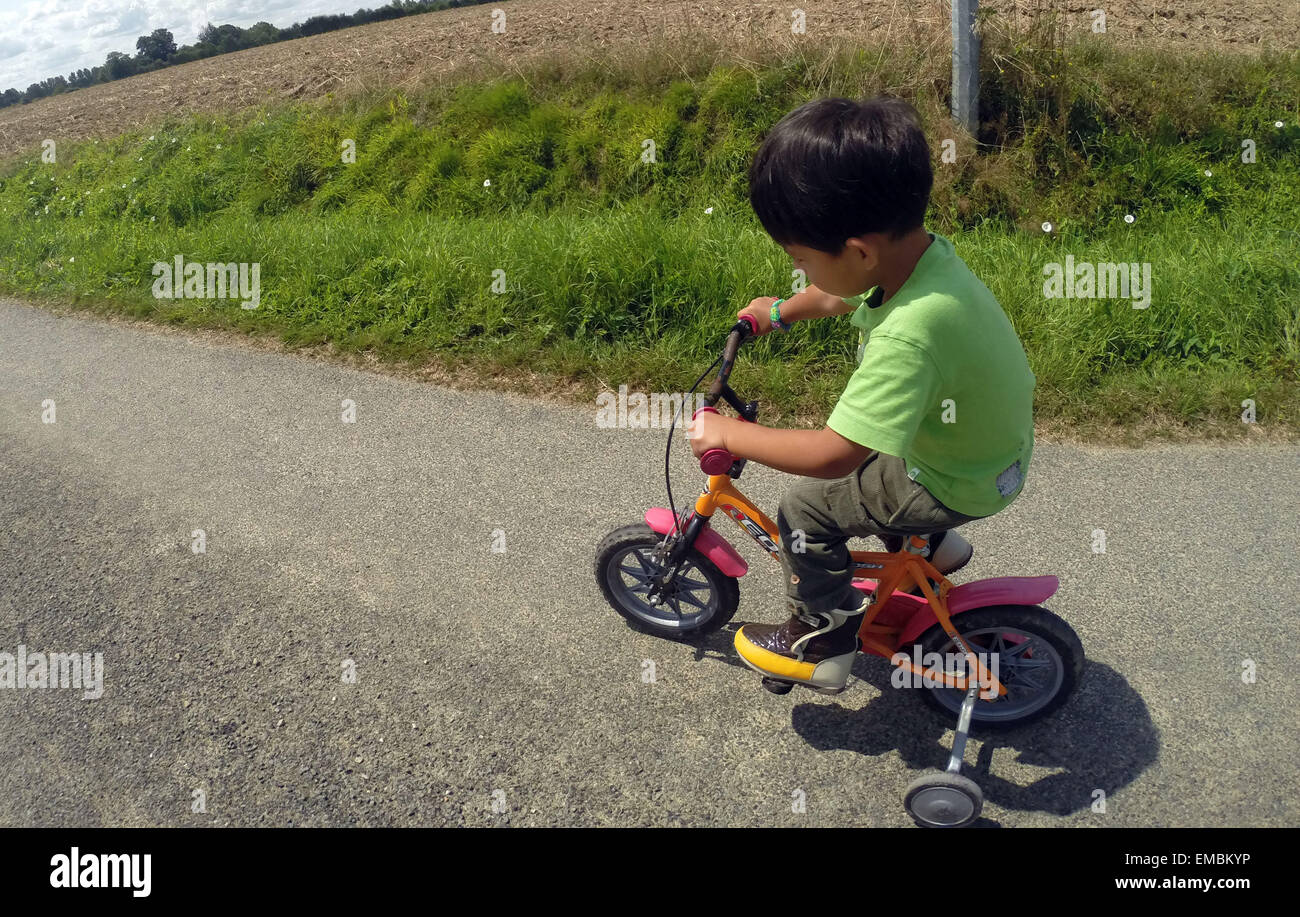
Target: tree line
column 158, row 49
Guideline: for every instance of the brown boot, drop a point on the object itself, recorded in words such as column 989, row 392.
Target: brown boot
column 812, row 648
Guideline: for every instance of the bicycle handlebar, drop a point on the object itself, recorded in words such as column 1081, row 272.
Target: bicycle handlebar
column 719, row 461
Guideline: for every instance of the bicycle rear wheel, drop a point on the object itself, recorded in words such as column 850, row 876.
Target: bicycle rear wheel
column 1039, row 659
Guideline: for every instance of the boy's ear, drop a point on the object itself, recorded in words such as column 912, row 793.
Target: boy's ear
column 863, row 247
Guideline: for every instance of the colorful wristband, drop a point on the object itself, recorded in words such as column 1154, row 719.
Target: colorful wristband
column 776, row 317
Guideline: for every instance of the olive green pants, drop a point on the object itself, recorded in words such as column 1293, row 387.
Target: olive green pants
column 821, row 515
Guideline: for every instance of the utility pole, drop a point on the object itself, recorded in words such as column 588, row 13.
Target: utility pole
column 965, row 65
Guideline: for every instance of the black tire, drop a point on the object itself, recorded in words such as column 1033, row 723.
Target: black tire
column 938, row 799
column 1059, row 648
column 718, row 593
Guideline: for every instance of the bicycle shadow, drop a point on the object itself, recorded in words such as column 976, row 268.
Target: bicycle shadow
column 1102, row 739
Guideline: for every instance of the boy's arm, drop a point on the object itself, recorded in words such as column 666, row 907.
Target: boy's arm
column 811, row 303
column 812, row 453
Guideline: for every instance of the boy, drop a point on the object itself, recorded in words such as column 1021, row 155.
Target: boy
column 935, row 427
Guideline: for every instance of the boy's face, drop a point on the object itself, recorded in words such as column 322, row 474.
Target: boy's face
column 846, row 274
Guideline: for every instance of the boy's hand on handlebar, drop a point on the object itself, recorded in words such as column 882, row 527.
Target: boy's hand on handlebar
column 761, row 311
column 705, row 432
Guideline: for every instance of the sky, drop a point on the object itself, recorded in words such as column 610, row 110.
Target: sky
column 41, row 38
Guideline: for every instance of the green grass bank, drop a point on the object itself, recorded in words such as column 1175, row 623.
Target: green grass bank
column 511, row 227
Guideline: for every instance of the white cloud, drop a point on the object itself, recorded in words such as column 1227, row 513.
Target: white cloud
column 43, row 38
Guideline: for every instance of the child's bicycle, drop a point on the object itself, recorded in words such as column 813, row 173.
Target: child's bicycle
column 675, row 577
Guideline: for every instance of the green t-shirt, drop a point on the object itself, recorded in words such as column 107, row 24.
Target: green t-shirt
column 942, row 383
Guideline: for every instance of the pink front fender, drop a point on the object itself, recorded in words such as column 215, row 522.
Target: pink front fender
column 709, row 543
column 1000, row 590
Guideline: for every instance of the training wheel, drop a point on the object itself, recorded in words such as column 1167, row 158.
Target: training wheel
column 777, row 686
column 939, row 799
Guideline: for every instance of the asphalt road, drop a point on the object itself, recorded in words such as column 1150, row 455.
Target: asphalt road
column 487, row 679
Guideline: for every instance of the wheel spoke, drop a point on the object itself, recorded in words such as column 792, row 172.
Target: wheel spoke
column 687, row 597
column 1016, row 651
column 1025, row 658
column 639, row 575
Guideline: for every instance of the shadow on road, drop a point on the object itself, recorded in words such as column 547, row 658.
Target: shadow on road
column 1102, row 739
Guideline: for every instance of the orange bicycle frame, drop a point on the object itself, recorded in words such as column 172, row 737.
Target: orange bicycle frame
column 889, row 570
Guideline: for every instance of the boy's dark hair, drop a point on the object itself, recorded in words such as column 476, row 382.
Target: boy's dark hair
column 836, row 168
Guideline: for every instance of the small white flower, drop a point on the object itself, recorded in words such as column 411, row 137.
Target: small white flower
column 173, row 140
column 123, row 186
column 151, row 219
column 1277, row 123
column 70, row 260
column 218, row 146
column 139, row 159
column 486, row 182
column 151, row 136
column 1128, row 218
column 188, row 148
column 1208, row 173
column 1047, row 227
column 708, row 209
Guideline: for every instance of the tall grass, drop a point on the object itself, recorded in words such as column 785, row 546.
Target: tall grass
column 621, row 271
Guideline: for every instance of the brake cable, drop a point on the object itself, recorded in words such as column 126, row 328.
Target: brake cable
column 668, row 449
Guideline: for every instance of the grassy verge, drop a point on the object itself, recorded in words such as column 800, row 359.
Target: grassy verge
column 510, row 228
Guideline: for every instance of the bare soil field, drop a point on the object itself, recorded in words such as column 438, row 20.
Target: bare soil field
column 407, row 53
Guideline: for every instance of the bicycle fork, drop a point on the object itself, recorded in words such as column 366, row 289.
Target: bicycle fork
column 678, row 546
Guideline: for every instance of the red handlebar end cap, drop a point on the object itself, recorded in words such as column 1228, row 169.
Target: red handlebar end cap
column 716, row 461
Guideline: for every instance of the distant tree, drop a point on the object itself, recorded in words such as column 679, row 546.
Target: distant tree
column 391, row 11
column 225, row 38
column 118, row 65
column 261, row 33
column 158, row 45
column 192, row 52
column 318, row 24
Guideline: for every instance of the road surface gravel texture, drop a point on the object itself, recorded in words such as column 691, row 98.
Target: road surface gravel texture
column 501, row 680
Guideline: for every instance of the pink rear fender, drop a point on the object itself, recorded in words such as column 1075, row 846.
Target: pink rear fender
column 1001, row 590
column 709, row 543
